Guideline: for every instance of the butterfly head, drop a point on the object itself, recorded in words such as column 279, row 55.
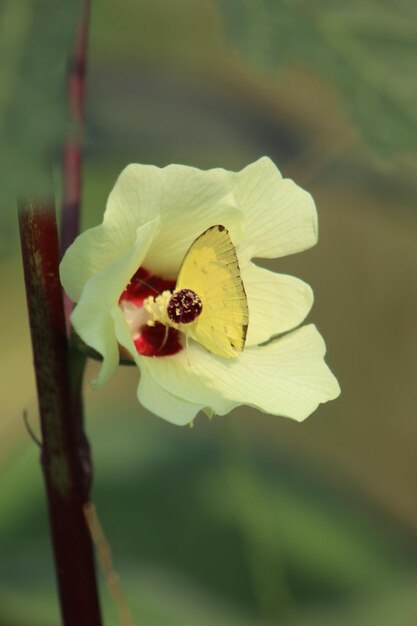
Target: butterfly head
column 184, row 306
column 173, row 309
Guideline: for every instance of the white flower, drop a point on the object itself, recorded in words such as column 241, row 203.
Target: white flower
column 152, row 217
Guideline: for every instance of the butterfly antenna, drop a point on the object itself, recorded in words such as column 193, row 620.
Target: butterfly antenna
column 161, row 347
column 143, row 282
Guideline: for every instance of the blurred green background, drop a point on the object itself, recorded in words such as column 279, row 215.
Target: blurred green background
column 246, row 520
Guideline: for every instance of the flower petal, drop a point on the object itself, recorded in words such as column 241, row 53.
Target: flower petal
column 92, row 318
column 160, row 402
column 89, row 254
column 280, row 217
column 287, row 377
column 277, row 302
column 187, row 200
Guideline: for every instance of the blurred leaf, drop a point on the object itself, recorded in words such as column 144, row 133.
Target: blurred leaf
column 154, row 598
column 302, row 545
column 179, row 523
column 325, row 542
column 175, row 33
column 35, row 39
column 366, row 49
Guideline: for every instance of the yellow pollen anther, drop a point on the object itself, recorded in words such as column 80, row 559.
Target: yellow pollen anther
column 157, row 308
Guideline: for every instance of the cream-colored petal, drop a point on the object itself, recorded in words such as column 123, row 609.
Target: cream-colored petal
column 187, row 200
column 178, row 375
column 89, row 254
column 92, row 319
column 277, row 302
column 279, row 217
column 164, row 404
column 287, row 377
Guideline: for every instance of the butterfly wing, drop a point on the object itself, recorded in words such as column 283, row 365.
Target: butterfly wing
column 210, row 269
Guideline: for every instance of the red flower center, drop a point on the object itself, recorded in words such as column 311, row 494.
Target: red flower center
column 157, row 340
column 144, row 284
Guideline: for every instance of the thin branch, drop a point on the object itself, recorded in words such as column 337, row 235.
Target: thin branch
column 72, row 157
column 29, row 428
column 105, row 557
column 72, row 153
column 65, row 455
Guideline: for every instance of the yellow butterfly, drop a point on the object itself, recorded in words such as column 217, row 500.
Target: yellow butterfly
column 209, row 303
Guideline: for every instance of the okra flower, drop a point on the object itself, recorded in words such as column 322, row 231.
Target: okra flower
column 116, row 271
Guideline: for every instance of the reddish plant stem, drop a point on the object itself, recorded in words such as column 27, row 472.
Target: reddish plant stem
column 72, row 153
column 64, row 450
